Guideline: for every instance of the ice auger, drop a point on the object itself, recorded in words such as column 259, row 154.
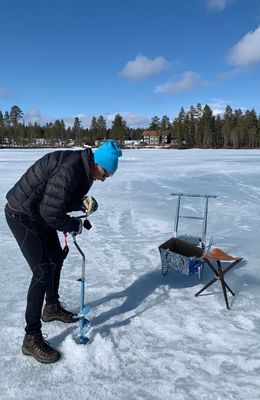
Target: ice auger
column 84, row 323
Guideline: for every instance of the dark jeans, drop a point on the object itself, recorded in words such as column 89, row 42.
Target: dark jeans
column 41, row 248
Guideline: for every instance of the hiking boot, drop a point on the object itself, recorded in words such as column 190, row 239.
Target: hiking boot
column 36, row 346
column 56, row 312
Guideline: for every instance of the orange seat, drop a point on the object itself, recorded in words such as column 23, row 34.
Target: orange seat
column 217, row 254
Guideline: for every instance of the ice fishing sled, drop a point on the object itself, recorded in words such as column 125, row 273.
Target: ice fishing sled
column 180, row 256
column 183, row 252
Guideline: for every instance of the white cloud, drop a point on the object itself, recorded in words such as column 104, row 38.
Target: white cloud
column 218, row 5
column 34, row 116
column 229, row 74
column 189, row 80
column 247, row 51
column 143, row 67
column 218, row 106
column 133, row 120
column 85, row 120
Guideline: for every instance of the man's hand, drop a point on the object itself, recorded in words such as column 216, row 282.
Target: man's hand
column 79, row 230
column 89, row 205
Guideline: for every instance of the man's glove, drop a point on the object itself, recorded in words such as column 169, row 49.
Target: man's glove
column 89, row 205
column 79, row 230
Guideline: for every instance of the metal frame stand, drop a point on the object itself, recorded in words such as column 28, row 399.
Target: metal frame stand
column 195, row 240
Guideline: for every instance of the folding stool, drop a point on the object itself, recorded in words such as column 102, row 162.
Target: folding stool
column 220, row 256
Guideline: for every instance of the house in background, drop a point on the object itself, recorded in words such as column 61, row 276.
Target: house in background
column 155, row 138
column 151, row 137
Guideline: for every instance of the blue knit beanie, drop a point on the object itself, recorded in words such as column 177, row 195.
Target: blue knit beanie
column 107, row 156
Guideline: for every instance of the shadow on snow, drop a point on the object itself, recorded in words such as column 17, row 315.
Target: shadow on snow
column 136, row 294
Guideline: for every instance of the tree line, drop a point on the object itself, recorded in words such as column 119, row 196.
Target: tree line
column 197, row 127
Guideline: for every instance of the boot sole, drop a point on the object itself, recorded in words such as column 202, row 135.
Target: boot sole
column 61, row 320
column 26, row 352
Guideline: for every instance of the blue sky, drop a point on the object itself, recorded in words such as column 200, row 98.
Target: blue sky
column 140, row 58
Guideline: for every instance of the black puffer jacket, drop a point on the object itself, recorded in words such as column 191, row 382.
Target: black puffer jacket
column 54, row 186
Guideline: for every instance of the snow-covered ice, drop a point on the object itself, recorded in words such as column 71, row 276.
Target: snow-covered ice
column 151, row 339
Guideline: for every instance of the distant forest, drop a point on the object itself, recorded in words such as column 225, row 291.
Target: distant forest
column 197, row 127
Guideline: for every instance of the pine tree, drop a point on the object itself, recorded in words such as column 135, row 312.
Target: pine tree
column 165, row 129
column 48, row 133
column 198, row 132
column 63, row 133
column 218, row 142
column 191, row 123
column 58, row 132
column 32, row 132
column 180, row 128
column 251, row 124
column 165, row 124
column 8, row 129
column 119, row 128
column 154, row 124
column 236, row 136
column 77, row 130
column 94, row 131
column 228, row 125
column 16, row 115
column 102, row 126
column 7, row 122
column 207, row 127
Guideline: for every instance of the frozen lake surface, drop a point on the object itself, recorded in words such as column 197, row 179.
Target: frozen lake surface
column 151, row 339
